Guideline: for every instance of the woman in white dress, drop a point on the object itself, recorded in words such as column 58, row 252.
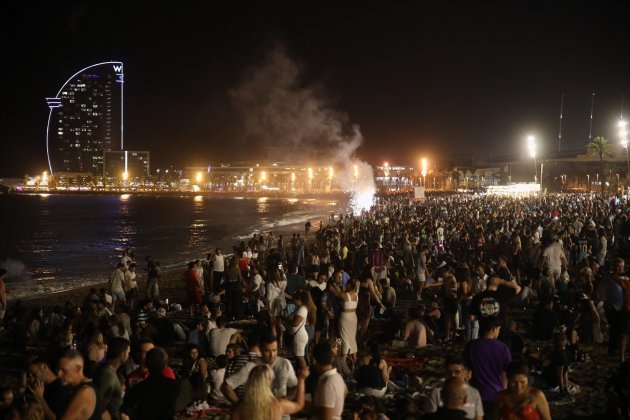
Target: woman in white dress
column 276, row 282
column 298, row 327
column 348, row 318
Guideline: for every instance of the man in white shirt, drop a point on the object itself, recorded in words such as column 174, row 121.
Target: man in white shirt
column 131, row 285
column 284, row 378
column 553, row 258
column 116, row 281
column 221, row 336
column 126, row 258
column 218, row 267
column 331, row 390
column 455, row 368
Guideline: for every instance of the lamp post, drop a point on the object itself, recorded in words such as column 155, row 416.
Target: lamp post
column 588, row 182
column 617, row 184
column 623, row 139
column 531, row 146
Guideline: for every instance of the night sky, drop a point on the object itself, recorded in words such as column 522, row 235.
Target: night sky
column 469, row 77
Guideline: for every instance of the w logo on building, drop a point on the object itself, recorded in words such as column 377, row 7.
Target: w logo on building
column 118, row 69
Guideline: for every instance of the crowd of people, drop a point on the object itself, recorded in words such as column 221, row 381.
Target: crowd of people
column 466, row 266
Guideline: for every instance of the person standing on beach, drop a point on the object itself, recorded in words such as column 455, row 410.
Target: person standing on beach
column 218, row 267
column 3, row 294
column 153, row 270
column 488, row 358
column 131, row 285
column 193, row 288
column 116, row 281
column 208, row 266
column 126, row 258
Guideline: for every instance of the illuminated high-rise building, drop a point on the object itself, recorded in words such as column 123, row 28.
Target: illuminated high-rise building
column 86, row 119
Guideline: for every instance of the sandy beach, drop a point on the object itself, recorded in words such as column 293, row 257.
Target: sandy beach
column 591, row 375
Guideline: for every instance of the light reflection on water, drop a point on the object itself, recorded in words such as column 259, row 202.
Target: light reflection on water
column 262, row 205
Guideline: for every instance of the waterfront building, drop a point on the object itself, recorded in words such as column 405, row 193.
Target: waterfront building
column 126, row 164
column 86, row 119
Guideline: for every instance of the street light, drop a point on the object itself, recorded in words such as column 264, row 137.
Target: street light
column 623, row 139
column 199, row 177
column 531, row 146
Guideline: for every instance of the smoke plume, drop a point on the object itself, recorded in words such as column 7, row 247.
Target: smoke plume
column 16, row 270
column 281, row 110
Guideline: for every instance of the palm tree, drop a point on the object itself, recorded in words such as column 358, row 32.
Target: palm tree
column 600, row 146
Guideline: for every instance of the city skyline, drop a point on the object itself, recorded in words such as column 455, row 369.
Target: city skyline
column 414, row 80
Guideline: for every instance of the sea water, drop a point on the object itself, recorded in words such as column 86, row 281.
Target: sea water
column 53, row 242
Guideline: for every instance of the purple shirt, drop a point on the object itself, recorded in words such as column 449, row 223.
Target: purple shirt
column 487, row 358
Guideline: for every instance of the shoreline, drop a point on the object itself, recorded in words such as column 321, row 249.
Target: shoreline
column 336, row 195
column 168, row 286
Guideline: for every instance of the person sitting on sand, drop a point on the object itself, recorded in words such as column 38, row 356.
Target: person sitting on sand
column 259, row 401
column 455, row 368
column 415, row 331
column 371, row 377
column 454, row 394
column 520, row 400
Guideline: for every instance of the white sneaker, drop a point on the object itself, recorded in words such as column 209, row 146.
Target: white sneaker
column 573, row 389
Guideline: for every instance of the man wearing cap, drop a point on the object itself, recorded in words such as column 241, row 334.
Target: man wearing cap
column 164, row 327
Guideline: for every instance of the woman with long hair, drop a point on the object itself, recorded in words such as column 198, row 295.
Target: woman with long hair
column 233, row 290
column 259, row 403
column 373, row 373
column 195, row 372
column 276, row 283
column 366, row 293
column 520, row 400
column 311, row 318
